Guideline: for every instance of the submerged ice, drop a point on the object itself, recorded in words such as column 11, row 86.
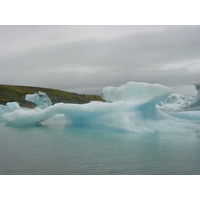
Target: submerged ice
column 137, row 107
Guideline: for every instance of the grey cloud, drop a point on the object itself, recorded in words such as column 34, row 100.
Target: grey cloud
column 160, row 47
column 91, row 62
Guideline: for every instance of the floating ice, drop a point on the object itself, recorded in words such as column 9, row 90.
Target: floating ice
column 183, row 107
column 41, row 99
column 130, row 107
column 10, row 107
column 13, row 104
column 176, row 98
column 6, row 109
column 197, row 86
column 196, row 104
column 186, row 103
column 137, row 92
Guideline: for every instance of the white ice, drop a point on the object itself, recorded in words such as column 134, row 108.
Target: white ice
column 130, row 107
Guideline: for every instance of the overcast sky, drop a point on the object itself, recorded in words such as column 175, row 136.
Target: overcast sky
column 84, row 59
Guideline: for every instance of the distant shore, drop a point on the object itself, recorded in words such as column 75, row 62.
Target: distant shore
column 13, row 93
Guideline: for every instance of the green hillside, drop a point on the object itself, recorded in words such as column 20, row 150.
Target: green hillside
column 10, row 93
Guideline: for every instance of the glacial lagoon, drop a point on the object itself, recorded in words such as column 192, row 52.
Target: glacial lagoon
column 142, row 129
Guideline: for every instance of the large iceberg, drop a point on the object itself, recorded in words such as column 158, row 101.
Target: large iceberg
column 131, row 107
column 137, row 92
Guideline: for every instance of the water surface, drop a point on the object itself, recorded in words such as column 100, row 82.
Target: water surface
column 70, row 150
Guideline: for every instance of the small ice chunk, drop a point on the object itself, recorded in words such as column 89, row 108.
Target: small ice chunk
column 178, row 99
column 41, row 99
column 197, row 86
column 13, row 104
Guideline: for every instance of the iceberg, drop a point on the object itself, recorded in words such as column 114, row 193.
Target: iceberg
column 10, row 107
column 41, row 99
column 6, row 109
column 176, row 98
column 13, row 104
column 134, row 107
column 195, row 105
column 137, row 92
column 181, row 103
column 183, row 107
column 197, row 86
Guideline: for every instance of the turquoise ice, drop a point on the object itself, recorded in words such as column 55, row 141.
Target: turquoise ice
column 135, row 106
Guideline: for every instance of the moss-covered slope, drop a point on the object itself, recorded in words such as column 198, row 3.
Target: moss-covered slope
column 9, row 93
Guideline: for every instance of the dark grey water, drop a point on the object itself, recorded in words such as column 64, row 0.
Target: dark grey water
column 78, row 150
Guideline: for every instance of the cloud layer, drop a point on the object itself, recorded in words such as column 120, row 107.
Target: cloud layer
column 85, row 59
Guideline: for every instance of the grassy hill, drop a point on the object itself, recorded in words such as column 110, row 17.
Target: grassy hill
column 10, row 93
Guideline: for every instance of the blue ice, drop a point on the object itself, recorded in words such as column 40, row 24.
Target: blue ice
column 135, row 106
